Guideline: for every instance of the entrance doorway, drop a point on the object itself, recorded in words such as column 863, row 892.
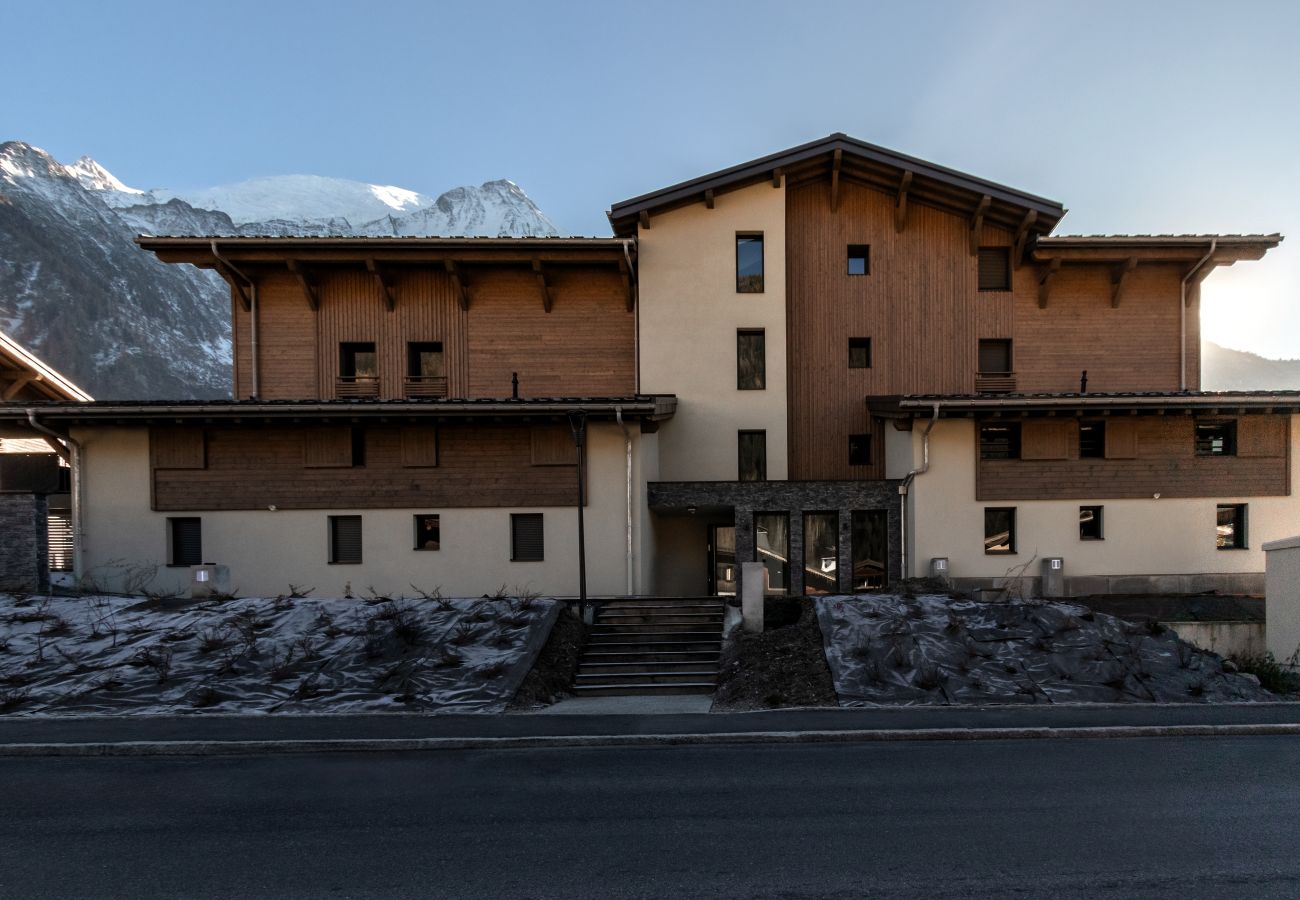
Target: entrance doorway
column 722, row 560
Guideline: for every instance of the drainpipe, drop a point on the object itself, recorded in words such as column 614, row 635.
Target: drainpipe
column 907, row 483
column 253, row 330
column 1182, row 314
column 636, row 321
column 627, row 447
column 72, row 454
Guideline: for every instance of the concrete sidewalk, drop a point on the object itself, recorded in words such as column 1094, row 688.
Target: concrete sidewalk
column 396, row 731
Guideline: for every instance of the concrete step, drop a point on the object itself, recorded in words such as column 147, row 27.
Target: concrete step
column 629, row 690
column 658, row 626
column 672, row 642
column 644, row 678
column 630, row 617
column 692, row 606
column 706, row 657
column 597, row 667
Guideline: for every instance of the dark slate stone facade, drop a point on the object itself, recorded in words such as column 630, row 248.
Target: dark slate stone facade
column 24, row 543
column 795, row 498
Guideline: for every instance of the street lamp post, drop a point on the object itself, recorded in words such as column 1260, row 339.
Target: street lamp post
column 578, row 424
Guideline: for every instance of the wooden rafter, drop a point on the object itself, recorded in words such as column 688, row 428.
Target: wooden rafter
column 900, row 202
column 20, row 381
column 977, row 224
column 1022, row 237
column 547, row 301
column 645, row 220
column 237, row 284
column 776, row 177
column 1045, row 282
column 385, row 288
column 708, row 198
column 308, row 287
column 629, row 287
column 836, row 159
column 1118, row 279
column 458, row 283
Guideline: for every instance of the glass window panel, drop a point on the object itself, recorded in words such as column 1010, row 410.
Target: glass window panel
column 751, row 360
column 1090, row 523
column 428, row 532
column 752, row 453
column 358, row 360
column 425, row 360
column 859, row 449
column 749, row 263
column 870, row 546
column 1092, row 440
column 1000, row 440
column 999, row 529
column 1216, row 438
column 995, row 357
column 1230, row 527
column 772, row 549
column 821, row 553
column 860, row 353
column 859, row 259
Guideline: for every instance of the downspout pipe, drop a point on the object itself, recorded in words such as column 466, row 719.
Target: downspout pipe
column 907, row 484
column 72, row 453
column 253, row 329
column 627, row 448
column 1182, row 313
column 636, row 320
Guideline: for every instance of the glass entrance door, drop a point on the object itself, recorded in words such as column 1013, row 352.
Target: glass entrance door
column 722, row 560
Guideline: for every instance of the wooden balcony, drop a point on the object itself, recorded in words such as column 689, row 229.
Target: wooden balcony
column 995, row 383
column 356, row 387
column 416, row 387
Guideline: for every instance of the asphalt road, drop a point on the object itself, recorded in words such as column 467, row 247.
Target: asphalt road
column 1149, row 818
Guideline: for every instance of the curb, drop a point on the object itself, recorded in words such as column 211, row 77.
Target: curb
column 407, row 745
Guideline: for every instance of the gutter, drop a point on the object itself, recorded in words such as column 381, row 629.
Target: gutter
column 252, row 288
column 1182, row 314
column 73, row 454
column 906, row 485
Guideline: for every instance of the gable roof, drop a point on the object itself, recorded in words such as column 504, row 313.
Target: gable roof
column 21, row 370
column 859, row 163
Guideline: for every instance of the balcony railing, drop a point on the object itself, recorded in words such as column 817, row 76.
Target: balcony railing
column 420, row 386
column 995, row 383
column 352, row 387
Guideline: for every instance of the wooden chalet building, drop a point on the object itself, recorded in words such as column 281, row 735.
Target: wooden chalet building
column 843, row 362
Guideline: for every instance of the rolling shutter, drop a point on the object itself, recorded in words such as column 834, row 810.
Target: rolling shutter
column 995, row 269
column 526, row 544
column 345, row 539
column 187, row 542
column 61, row 543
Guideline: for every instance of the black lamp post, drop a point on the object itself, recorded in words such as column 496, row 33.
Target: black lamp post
column 578, row 424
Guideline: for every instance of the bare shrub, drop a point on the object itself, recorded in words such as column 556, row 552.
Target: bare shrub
column 213, row 639
column 449, row 659
column 298, row 592
column 463, row 634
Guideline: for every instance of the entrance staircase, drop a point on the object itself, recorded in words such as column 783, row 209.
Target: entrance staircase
column 654, row 645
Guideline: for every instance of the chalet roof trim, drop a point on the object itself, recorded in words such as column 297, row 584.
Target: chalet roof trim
column 20, row 357
column 1223, row 402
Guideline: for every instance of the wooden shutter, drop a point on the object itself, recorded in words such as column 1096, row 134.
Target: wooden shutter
column 187, row 542
column 1121, row 438
column 553, row 447
column 1045, row 439
column 345, row 539
column 526, row 541
column 325, row 448
column 995, row 269
column 420, row 446
column 177, row 448
column 1261, row 436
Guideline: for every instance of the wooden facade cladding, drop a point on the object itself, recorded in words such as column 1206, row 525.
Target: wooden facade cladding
column 1145, row 456
column 302, row 468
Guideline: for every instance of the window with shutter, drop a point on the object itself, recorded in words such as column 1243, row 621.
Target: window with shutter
column 178, row 448
column 327, row 448
column 526, row 537
column 345, row 540
column 420, row 446
column 61, row 543
column 185, row 539
column 995, row 269
column 553, row 446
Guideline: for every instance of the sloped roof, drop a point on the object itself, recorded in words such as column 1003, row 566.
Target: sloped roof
column 1131, row 402
column 860, row 163
column 20, row 368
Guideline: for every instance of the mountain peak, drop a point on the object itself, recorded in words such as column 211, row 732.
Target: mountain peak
column 18, row 159
column 94, row 177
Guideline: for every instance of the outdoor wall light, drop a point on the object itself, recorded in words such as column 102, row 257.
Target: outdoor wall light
column 272, row 507
column 690, row 510
column 1155, row 496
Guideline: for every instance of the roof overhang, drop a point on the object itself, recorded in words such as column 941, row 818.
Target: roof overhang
column 1176, row 403
column 1186, row 249
column 19, row 369
column 203, row 251
column 857, row 162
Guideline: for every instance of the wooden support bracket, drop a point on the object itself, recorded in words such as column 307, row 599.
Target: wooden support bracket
column 776, row 177
column 1045, row 282
column 1022, row 238
column 458, row 283
column 308, row 287
column 645, row 220
column 1118, row 279
column 900, row 202
column 708, row 198
column 20, row 381
column 836, row 158
column 547, row 301
column 237, row 285
column 977, row 224
column 385, row 288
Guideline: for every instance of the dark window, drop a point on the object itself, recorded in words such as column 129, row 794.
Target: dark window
column 1230, row 527
column 749, row 263
column 358, row 446
column 995, row 269
column 995, row 357
column 859, row 259
column 999, row 529
column 526, row 540
column 751, row 455
column 186, row 542
column 751, row 360
column 859, row 449
column 1092, row 440
column 859, row 353
column 1000, row 440
column 345, row 540
column 1216, row 438
column 772, row 549
column 821, row 553
column 358, row 361
column 424, row 359
column 1090, row 523
column 428, row 532
column 870, row 548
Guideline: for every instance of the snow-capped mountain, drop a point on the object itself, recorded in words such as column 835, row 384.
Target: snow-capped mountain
column 76, row 289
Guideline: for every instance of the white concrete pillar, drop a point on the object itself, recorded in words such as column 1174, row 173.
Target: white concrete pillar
column 751, row 595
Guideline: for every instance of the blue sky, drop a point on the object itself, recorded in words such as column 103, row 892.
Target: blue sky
column 1140, row 117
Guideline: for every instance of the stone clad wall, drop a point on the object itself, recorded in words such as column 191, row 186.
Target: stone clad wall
column 24, row 543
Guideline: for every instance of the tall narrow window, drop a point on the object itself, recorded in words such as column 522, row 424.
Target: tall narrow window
column 1090, row 523
column 428, row 531
column 1216, row 438
column 1092, row 439
column 859, row 449
column 751, row 359
column 345, row 540
column 751, row 455
column 995, row 357
column 870, row 548
column 426, row 374
column 772, row 549
column 821, row 553
column 358, row 447
column 859, row 353
column 859, row 259
column 749, row 263
column 527, row 538
column 995, row 269
column 999, row 529
column 185, row 542
column 1230, row 526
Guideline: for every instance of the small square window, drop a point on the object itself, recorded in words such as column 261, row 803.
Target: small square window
column 428, row 532
column 999, row 529
column 1092, row 439
column 358, row 361
column 859, row 259
column 751, row 359
column 527, row 538
column 751, row 453
column 995, row 357
column 749, row 263
column 1216, row 438
column 1000, row 440
column 1230, row 526
column 185, row 541
column 995, row 269
column 859, row 449
column 1090, row 527
column 345, row 540
column 859, row 353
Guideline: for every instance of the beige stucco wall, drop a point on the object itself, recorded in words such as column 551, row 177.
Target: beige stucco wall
column 689, row 312
column 1143, row 537
column 267, row 550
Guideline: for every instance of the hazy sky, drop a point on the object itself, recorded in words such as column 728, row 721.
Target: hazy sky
column 1141, row 117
